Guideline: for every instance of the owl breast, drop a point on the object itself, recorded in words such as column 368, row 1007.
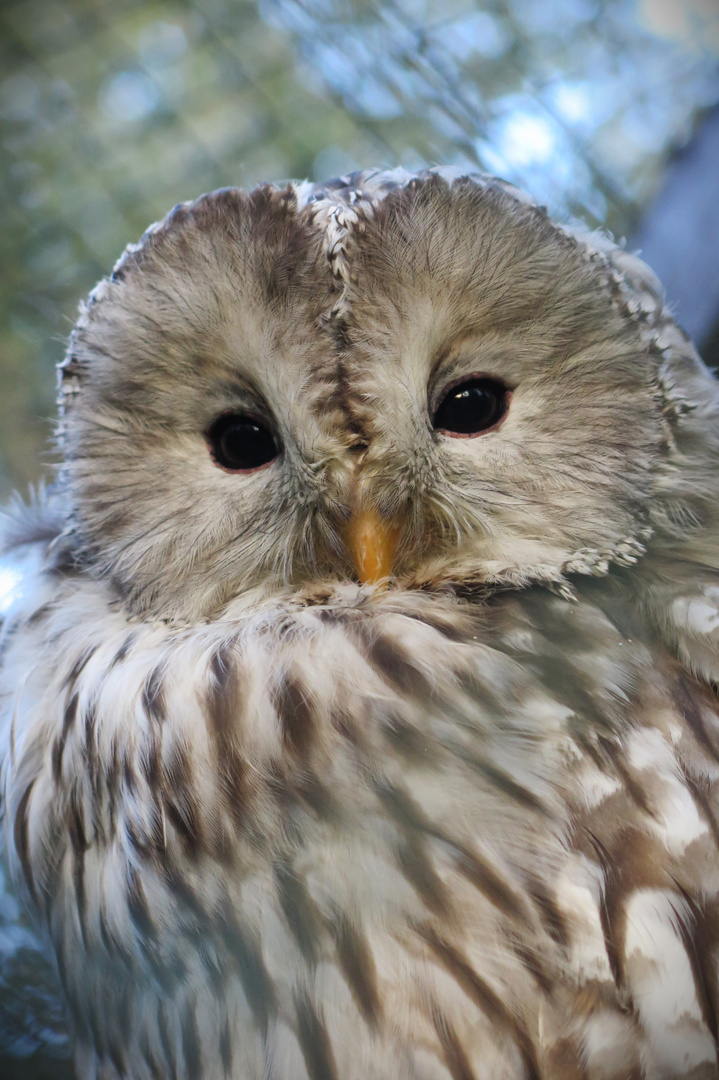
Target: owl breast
column 371, row 834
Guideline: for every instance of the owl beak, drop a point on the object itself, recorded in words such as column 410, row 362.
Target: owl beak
column 372, row 543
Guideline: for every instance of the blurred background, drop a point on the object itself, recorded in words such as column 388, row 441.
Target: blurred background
column 114, row 110
column 111, row 111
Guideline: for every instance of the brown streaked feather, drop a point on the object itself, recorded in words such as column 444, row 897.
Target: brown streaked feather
column 314, row 1041
column 454, row 1055
column 358, row 966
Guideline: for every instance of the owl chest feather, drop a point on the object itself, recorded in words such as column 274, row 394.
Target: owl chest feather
column 388, row 835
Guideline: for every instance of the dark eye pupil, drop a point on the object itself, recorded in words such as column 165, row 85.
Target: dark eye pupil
column 241, row 443
column 471, row 407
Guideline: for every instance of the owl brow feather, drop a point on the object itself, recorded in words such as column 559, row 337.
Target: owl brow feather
column 180, row 303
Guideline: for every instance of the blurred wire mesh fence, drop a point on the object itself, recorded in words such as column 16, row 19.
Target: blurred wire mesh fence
column 113, row 110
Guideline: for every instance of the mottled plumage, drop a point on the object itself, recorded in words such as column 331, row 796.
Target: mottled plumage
column 277, row 824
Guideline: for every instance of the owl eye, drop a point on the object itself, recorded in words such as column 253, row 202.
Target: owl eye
column 241, row 443
column 471, row 407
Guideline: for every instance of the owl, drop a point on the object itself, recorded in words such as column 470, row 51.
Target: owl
column 359, row 717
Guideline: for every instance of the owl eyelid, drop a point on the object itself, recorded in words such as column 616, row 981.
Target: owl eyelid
column 240, row 472
column 255, row 416
column 438, row 397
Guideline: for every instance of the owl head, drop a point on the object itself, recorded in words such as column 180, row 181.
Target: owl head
column 418, row 377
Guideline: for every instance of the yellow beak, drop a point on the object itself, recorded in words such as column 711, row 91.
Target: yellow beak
column 372, row 543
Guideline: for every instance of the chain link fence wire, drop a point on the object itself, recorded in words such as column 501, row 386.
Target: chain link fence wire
column 111, row 111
